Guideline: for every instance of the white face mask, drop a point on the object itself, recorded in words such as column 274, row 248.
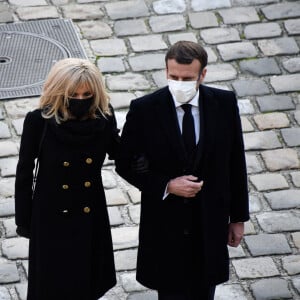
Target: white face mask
column 182, row 91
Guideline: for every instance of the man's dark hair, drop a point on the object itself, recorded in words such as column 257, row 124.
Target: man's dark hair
column 184, row 52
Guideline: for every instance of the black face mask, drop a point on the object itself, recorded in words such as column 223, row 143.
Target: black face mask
column 80, row 107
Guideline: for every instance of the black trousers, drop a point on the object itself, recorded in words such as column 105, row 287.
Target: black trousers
column 201, row 293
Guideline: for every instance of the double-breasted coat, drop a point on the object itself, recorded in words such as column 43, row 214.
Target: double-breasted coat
column 184, row 241
column 65, row 218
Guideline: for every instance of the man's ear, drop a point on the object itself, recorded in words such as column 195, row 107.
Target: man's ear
column 202, row 75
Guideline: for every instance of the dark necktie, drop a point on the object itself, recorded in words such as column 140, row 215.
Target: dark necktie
column 188, row 129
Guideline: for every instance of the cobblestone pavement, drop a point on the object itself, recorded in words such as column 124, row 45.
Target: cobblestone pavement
column 253, row 48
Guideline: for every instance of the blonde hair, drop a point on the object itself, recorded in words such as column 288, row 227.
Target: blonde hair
column 64, row 78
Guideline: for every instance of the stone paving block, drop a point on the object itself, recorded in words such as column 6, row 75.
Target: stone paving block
column 130, row 284
column 284, row 199
column 264, row 30
column 147, row 43
column 220, row 72
column 4, row 293
column 127, row 9
column 38, row 12
column 7, row 207
column 282, row 10
column 167, row 23
column 148, row 295
column 169, row 6
column 109, row 47
column 21, row 289
column 297, row 116
column 245, row 107
column 296, row 239
column 18, row 125
column 160, row 79
column 115, row 216
column 260, row 66
column 134, row 213
column 146, row 62
column 25, row 266
column 8, row 166
column 275, row 103
column 200, row 5
column 111, row 64
column 280, row 46
column 127, row 82
column 203, row 20
column 249, row 228
column 296, row 283
column 10, row 227
column 15, row 248
column 8, row 272
column 292, row 65
column 252, row 2
column 130, row 27
column 250, row 87
column 291, row 136
column 253, row 164
column 236, row 252
column 124, row 237
column 7, row 187
column 261, row 140
column 281, row 159
column 95, row 29
column 125, row 260
column 291, row 264
column 273, row 288
column 121, row 117
column 296, row 178
column 271, row 120
column 6, row 13
column 19, row 108
column 82, row 11
column 115, row 197
column 220, row 35
column 237, row 15
column 267, row 244
column 230, row 291
column 292, row 26
column 135, row 195
column 120, row 100
column 255, row 267
column 4, row 130
column 212, row 57
column 246, row 125
column 60, row 2
column 254, row 204
column 27, row 2
column 186, row 36
column 237, row 50
column 285, row 221
column 286, row 83
column 264, row 182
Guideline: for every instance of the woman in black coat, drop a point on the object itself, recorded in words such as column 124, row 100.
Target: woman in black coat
column 64, row 215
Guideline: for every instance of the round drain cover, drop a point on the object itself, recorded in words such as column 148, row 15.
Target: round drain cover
column 26, row 58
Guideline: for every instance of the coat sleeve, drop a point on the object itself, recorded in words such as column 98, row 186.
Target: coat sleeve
column 114, row 138
column 131, row 147
column 32, row 128
column 239, row 204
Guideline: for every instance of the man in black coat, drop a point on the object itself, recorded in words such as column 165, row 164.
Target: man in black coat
column 193, row 179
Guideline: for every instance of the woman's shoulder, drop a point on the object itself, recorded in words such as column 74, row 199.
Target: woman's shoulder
column 34, row 117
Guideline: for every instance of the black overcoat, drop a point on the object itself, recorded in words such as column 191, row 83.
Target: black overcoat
column 185, row 240
column 66, row 219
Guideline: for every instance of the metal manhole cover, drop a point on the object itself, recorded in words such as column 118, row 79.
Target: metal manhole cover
column 28, row 51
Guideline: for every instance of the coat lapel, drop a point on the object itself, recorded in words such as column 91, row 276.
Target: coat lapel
column 208, row 120
column 166, row 113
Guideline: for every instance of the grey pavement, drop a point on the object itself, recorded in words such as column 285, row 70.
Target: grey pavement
column 253, row 48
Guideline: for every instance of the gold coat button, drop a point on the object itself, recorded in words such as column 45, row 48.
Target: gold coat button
column 65, row 186
column 87, row 184
column 66, row 163
column 86, row 210
column 88, row 160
